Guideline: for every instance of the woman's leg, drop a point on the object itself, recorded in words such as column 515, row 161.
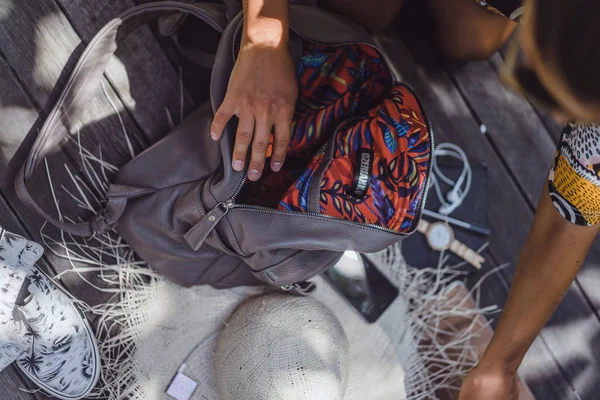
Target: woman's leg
column 372, row 14
column 467, row 31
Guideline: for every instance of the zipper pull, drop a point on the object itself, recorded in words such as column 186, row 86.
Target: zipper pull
column 196, row 236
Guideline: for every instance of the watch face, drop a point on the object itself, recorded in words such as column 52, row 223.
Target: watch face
column 439, row 236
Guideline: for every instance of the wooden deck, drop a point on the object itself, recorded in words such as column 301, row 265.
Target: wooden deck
column 38, row 37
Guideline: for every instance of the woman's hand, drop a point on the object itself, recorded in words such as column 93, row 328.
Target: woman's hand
column 262, row 91
column 489, row 384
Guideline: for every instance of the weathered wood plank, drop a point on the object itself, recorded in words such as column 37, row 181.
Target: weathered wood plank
column 453, row 122
column 521, row 137
column 38, row 42
column 554, row 129
column 11, row 384
column 507, row 117
column 146, row 81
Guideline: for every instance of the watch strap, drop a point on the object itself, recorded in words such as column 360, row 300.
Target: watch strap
column 470, row 256
column 423, row 226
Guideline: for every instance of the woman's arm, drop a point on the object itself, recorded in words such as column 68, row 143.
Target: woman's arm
column 262, row 89
column 551, row 256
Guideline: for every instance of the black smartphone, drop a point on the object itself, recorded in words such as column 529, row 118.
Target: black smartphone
column 358, row 280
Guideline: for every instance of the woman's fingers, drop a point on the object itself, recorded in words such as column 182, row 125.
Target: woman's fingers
column 257, row 118
column 227, row 109
column 283, row 133
column 243, row 138
column 260, row 143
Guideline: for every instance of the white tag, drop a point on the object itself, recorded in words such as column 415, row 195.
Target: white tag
column 182, row 387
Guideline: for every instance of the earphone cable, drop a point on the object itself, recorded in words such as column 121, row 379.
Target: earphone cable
column 453, row 151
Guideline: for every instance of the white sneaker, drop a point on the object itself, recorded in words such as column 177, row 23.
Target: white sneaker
column 45, row 333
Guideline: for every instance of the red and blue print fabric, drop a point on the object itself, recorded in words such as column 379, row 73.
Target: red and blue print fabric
column 396, row 135
column 335, row 83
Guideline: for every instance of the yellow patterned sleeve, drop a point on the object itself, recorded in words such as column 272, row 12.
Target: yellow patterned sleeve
column 574, row 182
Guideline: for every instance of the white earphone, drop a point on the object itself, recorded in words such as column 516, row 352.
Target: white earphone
column 455, row 197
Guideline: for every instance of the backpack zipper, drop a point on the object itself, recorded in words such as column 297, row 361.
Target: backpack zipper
column 309, row 214
column 421, row 205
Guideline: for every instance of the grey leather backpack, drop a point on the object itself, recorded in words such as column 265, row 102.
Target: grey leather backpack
column 187, row 220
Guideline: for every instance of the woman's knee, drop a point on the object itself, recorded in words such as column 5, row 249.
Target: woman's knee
column 467, row 31
column 466, row 47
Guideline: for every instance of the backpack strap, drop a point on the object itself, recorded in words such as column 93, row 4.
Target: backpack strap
column 80, row 89
column 170, row 26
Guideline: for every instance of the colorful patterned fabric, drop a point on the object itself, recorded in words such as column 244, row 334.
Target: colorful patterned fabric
column 350, row 86
column 334, row 83
column 396, row 135
column 574, row 182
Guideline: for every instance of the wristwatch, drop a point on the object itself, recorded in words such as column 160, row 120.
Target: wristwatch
column 440, row 237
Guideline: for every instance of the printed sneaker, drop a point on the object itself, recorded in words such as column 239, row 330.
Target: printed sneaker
column 40, row 327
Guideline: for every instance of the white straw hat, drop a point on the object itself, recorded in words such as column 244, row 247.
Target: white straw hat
column 282, row 347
